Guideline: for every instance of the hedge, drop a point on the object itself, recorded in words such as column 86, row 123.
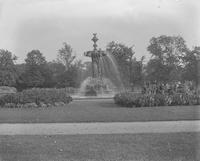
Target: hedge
column 36, row 96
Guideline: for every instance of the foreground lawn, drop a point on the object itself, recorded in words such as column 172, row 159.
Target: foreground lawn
column 138, row 147
column 103, row 110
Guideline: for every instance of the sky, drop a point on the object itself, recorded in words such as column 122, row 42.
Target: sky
column 45, row 24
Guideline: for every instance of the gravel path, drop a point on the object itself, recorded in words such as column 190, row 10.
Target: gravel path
column 100, row 128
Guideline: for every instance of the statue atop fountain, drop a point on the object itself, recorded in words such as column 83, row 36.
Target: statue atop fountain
column 96, row 56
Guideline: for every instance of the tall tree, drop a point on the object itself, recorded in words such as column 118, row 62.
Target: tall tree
column 65, row 56
column 123, row 56
column 35, row 58
column 66, row 78
column 168, row 49
column 137, row 75
column 190, row 71
column 167, row 54
column 79, row 69
column 8, row 74
column 72, row 75
column 57, row 69
column 36, row 72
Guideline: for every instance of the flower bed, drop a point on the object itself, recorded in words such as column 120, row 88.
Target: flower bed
column 129, row 99
column 36, row 97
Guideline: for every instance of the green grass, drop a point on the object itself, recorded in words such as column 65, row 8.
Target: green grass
column 103, row 110
column 137, row 147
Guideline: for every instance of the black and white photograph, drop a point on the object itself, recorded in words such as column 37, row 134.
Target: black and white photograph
column 99, row 80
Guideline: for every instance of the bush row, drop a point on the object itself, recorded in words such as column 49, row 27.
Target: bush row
column 36, row 96
column 129, row 99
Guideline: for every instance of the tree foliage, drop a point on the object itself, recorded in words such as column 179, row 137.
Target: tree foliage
column 36, row 73
column 35, row 58
column 65, row 55
column 167, row 53
column 123, row 56
column 168, row 49
column 8, row 74
column 137, row 75
column 191, row 69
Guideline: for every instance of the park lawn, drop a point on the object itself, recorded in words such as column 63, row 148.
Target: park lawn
column 118, row 147
column 97, row 110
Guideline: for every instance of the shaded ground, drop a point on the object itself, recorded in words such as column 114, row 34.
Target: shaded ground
column 103, row 110
column 137, row 147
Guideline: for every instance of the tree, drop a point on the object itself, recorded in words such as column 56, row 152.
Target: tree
column 8, row 74
column 137, row 75
column 36, row 72
column 168, row 49
column 72, row 75
column 123, row 56
column 68, row 78
column 79, row 69
column 190, row 71
column 167, row 58
column 155, row 70
column 65, row 56
column 57, row 69
column 35, row 58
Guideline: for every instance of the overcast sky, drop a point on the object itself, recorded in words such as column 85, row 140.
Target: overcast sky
column 45, row 24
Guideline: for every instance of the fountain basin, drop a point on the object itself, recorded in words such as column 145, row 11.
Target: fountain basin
column 97, row 88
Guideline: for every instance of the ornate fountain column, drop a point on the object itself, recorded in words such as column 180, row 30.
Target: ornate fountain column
column 95, row 55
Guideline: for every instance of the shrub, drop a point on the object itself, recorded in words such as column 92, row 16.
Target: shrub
column 30, row 105
column 129, row 99
column 9, row 105
column 7, row 90
column 36, row 96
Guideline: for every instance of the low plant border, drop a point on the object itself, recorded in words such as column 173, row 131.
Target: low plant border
column 36, row 97
column 130, row 99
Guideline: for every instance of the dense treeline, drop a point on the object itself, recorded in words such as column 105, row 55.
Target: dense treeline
column 37, row 72
column 171, row 60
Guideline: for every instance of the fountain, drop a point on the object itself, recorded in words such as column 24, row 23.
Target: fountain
column 97, row 84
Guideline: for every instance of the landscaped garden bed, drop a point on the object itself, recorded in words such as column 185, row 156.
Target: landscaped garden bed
column 36, row 97
column 129, row 99
column 159, row 95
